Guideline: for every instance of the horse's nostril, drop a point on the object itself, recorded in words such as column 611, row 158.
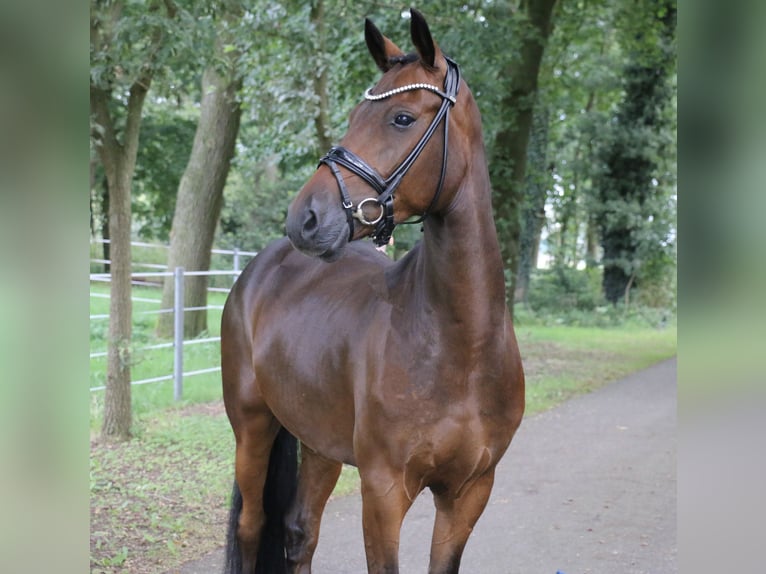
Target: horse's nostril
column 310, row 223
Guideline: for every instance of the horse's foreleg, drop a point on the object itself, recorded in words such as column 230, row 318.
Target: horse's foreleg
column 384, row 504
column 316, row 479
column 254, row 441
column 455, row 519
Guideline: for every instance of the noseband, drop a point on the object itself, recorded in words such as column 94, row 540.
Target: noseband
column 385, row 187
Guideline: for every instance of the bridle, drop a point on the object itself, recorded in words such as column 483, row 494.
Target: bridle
column 386, row 187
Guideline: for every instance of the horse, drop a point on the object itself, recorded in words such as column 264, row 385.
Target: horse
column 408, row 370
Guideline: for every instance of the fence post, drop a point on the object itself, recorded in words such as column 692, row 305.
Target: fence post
column 178, row 334
column 236, row 264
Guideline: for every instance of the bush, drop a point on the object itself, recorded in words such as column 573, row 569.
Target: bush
column 565, row 289
column 567, row 296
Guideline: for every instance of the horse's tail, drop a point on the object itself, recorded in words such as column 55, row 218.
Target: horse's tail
column 278, row 493
column 233, row 561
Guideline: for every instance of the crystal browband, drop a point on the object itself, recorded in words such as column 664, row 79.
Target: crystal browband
column 407, row 88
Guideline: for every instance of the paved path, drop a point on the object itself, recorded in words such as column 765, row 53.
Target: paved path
column 586, row 488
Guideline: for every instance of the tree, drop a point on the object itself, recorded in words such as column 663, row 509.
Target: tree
column 633, row 215
column 536, row 185
column 118, row 89
column 99, row 206
column 322, row 118
column 509, row 158
column 578, row 86
column 167, row 133
column 200, row 192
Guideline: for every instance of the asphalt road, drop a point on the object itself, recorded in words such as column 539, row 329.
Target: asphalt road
column 586, row 488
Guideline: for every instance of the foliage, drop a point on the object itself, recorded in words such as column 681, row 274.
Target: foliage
column 166, row 141
column 255, row 206
column 564, row 288
column 581, row 90
column 278, row 122
column 163, row 150
column 565, row 295
column 578, row 87
column 635, row 210
column 602, row 317
column 581, row 87
column 128, row 52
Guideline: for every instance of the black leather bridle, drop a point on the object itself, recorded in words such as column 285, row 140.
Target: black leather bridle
column 386, row 187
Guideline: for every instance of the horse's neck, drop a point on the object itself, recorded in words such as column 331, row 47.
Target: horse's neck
column 461, row 266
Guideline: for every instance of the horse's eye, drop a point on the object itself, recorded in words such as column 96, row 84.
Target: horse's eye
column 403, row 120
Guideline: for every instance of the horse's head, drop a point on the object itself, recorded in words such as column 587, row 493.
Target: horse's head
column 388, row 167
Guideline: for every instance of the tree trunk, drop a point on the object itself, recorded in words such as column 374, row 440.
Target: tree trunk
column 535, row 196
column 91, row 188
column 200, row 197
column 510, row 154
column 567, row 254
column 591, row 242
column 117, row 407
column 322, row 118
column 99, row 204
column 105, row 234
column 119, row 161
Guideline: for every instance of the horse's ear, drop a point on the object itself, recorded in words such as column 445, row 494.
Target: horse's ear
column 421, row 37
column 381, row 48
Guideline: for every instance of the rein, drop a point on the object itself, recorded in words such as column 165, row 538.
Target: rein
column 385, row 187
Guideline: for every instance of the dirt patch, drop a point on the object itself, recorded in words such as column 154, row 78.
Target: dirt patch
column 209, row 409
column 161, row 498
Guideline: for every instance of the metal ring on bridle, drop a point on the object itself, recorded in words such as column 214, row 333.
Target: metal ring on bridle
column 359, row 214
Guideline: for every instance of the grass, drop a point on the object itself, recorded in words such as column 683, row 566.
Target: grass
column 162, row 498
column 162, row 495
column 561, row 362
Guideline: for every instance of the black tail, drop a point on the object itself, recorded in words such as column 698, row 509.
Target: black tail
column 233, row 562
column 278, row 493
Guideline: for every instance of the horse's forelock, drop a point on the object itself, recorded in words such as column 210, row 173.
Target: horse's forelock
column 404, row 59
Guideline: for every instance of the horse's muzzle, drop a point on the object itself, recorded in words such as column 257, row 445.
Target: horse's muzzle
column 316, row 228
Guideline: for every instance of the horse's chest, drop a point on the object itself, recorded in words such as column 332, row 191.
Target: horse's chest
column 449, row 454
column 426, row 395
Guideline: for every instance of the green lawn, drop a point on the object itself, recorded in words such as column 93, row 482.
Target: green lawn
column 562, row 361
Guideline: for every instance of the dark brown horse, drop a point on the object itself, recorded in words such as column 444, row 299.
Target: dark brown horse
column 407, row 370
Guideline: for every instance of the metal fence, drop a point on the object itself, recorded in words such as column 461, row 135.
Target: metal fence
column 178, row 274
